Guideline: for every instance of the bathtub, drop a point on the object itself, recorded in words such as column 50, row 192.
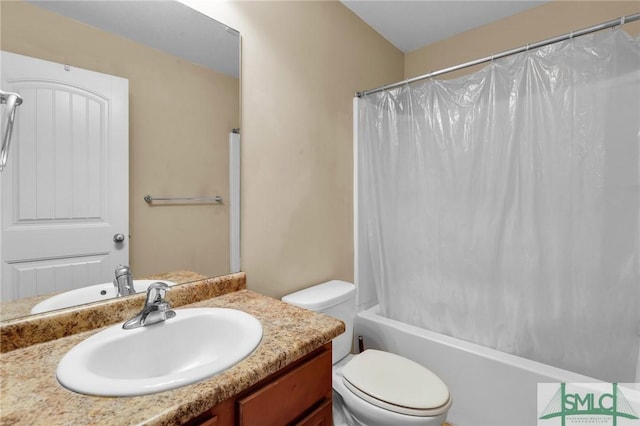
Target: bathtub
column 489, row 387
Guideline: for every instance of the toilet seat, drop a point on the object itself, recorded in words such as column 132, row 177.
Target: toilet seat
column 396, row 384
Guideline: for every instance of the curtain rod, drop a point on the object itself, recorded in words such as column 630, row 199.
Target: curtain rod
column 603, row 26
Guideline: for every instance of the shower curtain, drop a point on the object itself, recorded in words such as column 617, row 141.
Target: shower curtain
column 503, row 207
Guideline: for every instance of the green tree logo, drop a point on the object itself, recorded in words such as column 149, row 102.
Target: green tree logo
column 565, row 404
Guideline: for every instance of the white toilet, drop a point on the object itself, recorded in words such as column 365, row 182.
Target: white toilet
column 374, row 388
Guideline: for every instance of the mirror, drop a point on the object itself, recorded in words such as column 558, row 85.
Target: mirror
column 182, row 70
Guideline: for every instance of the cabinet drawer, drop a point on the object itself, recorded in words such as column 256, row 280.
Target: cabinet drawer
column 288, row 397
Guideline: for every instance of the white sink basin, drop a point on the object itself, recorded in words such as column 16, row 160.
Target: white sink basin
column 194, row 345
column 93, row 293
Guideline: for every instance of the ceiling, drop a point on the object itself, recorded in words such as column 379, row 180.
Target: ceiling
column 164, row 25
column 410, row 25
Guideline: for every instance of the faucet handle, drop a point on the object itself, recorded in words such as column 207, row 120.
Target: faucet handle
column 156, row 292
column 122, row 270
column 155, row 309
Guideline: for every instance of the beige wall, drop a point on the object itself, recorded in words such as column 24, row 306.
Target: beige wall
column 549, row 20
column 302, row 61
column 169, row 155
column 302, row 64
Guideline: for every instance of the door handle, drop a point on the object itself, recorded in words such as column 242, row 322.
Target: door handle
column 118, row 238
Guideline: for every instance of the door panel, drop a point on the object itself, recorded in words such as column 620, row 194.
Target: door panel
column 65, row 188
column 50, row 276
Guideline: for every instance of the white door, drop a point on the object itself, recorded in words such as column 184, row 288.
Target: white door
column 65, row 189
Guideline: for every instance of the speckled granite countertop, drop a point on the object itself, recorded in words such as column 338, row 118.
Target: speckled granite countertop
column 31, row 395
column 22, row 332
column 22, row 307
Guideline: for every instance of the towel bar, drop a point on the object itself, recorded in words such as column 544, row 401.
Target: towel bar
column 215, row 199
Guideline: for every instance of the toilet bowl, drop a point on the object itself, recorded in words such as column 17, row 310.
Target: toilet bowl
column 361, row 408
column 373, row 388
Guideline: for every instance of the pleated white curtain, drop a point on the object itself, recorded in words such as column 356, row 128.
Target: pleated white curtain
column 503, row 207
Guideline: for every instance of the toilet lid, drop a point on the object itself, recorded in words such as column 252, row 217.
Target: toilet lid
column 396, row 383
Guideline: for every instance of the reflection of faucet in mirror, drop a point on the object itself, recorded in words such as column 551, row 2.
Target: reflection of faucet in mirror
column 155, row 309
column 124, row 281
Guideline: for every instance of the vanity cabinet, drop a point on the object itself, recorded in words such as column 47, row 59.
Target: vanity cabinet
column 299, row 394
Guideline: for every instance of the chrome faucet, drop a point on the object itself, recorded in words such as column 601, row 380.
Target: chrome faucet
column 155, row 309
column 124, row 281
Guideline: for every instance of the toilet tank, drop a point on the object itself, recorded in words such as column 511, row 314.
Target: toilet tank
column 334, row 298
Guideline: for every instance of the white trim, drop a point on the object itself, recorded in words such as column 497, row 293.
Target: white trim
column 234, row 201
column 356, row 268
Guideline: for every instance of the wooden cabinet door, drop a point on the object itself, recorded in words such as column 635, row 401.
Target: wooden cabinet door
column 289, row 396
column 221, row 415
column 299, row 394
column 211, row 422
column 321, row 416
